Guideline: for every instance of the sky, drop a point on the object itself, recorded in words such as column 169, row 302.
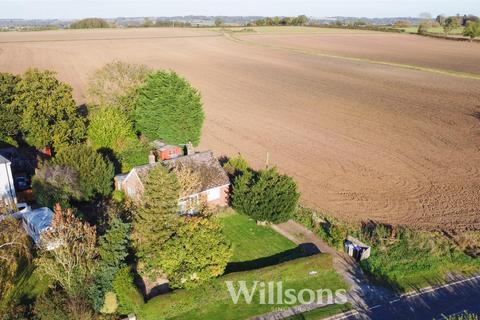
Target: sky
column 45, row 9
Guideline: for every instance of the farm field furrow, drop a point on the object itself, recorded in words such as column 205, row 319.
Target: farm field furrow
column 364, row 141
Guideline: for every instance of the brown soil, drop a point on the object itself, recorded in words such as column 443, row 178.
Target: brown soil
column 364, row 141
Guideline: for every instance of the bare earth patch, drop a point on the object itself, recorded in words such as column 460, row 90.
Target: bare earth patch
column 364, row 141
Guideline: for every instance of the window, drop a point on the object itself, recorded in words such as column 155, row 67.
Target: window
column 213, row 194
column 131, row 191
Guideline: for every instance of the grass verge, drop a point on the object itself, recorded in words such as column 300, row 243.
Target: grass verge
column 212, row 300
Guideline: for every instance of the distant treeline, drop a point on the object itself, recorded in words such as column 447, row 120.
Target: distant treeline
column 147, row 23
column 280, row 21
column 90, row 23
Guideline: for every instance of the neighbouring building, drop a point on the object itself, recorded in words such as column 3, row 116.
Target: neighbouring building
column 166, row 151
column 214, row 186
column 37, row 221
column 7, row 187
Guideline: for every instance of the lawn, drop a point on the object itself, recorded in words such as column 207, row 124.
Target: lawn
column 212, row 300
column 250, row 241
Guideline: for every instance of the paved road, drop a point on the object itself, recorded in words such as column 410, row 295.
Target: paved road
column 454, row 298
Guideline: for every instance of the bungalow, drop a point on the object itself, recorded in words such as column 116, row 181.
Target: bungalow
column 214, row 186
column 7, row 187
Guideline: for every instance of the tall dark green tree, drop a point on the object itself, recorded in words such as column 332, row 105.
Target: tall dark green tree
column 266, row 196
column 169, row 108
column 49, row 115
column 95, row 173
column 113, row 249
column 155, row 220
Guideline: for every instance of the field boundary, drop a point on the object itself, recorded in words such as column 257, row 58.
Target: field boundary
column 445, row 72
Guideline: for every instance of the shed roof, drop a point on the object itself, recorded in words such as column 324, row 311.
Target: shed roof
column 3, row 159
column 39, row 220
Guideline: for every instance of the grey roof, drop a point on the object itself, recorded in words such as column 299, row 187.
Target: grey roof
column 142, row 171
column 211, row 172
column 37, row 221
column 3, row 159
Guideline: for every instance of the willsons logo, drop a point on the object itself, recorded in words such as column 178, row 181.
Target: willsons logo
column 274, row 293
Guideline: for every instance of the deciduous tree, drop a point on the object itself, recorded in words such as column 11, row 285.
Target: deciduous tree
column 115, row 85
column 197, row 252
column 11, row 116
column 72, row 262
column 49, row 115
column 472, row 30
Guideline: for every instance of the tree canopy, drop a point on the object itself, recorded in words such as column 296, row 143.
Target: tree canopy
column 169, row 108
column 155, row 219
column 49, row 115
column 472, row 30
column 11, row 116
column 90, row 23
column 73, row 261
column 450, row 24
column 95, row 173
column 197, row 252
column 115, row 85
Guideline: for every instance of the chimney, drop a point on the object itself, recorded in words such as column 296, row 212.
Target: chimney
column 190, row 149
column 151, row 158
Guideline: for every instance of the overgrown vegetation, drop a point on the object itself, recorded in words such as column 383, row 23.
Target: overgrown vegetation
column 402, row 258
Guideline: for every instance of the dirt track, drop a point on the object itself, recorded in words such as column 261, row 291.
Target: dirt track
column 364, row 141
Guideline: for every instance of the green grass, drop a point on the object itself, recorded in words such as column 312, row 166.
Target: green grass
column 417, row 262
column 28, row 285
column 251, row 242
column 439, row 30
column 322, row 313
column 212, row 300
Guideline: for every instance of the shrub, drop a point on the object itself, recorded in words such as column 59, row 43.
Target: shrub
column 236, row 166
column 169, row 108
column 111, row 304
column 129, row 298
column 134, row 153
column 423, row 28
column 266, row 196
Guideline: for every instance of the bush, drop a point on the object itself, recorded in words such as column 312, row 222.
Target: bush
column 129, row 298
column 95, row 173
column 169, row 108
column 111, row 304
column 423, row 28
column 135, row 153
column 236, row 166
column 265, row 196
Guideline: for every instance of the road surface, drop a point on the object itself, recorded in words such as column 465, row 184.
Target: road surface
column 434, row 303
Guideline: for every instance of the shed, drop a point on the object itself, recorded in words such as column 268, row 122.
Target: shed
column 166, row 151
column 37, row 221
column 356, row 249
